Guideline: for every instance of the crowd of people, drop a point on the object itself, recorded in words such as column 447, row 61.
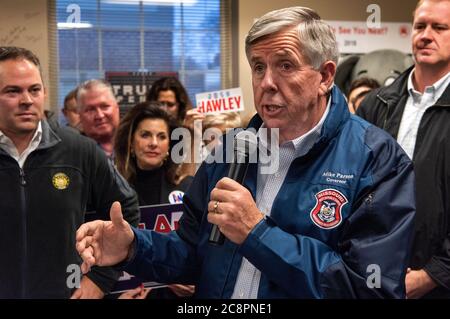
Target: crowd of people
column 361, row 179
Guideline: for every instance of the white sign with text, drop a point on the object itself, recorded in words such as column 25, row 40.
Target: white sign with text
column 223, row 101
column 357, row 37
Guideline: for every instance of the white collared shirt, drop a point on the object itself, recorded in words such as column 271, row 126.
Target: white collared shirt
column 416, row 105
column 267, row 188
column 8, row 146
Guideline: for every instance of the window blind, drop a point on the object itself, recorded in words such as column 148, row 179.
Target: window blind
column 190, row 37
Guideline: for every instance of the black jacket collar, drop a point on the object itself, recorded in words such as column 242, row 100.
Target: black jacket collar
column 399, row 88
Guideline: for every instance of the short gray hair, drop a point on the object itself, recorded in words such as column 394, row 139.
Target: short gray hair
column 90, row 85
column 318, row 43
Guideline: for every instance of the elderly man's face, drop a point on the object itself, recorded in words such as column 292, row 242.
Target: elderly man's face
column 285, row 87
column 99, row 114
column 21, row 97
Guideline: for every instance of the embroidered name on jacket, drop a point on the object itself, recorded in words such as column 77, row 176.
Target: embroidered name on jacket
column 335, row 177
column 327, row 212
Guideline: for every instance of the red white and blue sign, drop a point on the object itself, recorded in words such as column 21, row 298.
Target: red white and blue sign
column 160, row 218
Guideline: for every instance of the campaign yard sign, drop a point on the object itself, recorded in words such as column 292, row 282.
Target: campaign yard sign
column 161, row 218
column 224, row 101
column 131, row 88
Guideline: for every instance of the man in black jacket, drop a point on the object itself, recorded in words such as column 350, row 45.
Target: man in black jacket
column 48, row 175
column 415, row 109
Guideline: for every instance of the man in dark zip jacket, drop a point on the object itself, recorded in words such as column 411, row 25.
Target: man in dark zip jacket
column 47, row 177
column 415, row 109
column 330, row 215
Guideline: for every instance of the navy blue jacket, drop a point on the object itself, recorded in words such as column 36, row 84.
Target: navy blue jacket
column 343, row 214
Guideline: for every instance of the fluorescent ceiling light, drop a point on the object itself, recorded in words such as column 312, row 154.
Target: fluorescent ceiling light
column 153, row 2
column 67, row 25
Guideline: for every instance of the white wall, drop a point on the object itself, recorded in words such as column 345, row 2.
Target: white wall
column 23, row 23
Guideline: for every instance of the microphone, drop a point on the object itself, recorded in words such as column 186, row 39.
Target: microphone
column 244, row 145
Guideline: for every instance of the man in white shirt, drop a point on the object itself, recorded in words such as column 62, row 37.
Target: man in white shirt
column 415, row 109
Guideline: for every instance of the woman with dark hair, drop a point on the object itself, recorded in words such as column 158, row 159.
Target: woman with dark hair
column 174, row 98
column 142, row 149
column 358, row 90
column 142, row 153
column 172, row 94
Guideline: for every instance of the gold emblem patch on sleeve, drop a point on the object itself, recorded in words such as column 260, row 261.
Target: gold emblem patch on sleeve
column 60, row 181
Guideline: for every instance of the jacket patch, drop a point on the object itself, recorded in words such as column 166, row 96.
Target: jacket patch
column 60, row 181
column 327, row 212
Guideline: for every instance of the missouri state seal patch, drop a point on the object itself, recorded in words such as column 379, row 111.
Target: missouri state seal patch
column 327, row 212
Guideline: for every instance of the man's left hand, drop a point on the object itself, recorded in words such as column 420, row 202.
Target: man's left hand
column 236, row 213
column 418, row 283
column 87, row 290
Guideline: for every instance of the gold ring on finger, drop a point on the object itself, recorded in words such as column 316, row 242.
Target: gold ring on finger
column 216, row 206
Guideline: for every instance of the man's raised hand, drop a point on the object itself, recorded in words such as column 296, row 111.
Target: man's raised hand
column 104, row 243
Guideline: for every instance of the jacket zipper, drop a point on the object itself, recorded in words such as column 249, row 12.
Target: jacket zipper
column 387, row 111
column 23, row 183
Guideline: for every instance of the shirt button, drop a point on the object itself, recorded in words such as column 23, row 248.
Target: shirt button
column 241, row 295
column 277, row 175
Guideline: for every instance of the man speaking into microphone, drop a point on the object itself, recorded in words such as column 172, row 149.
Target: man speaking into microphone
column 333, row 218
